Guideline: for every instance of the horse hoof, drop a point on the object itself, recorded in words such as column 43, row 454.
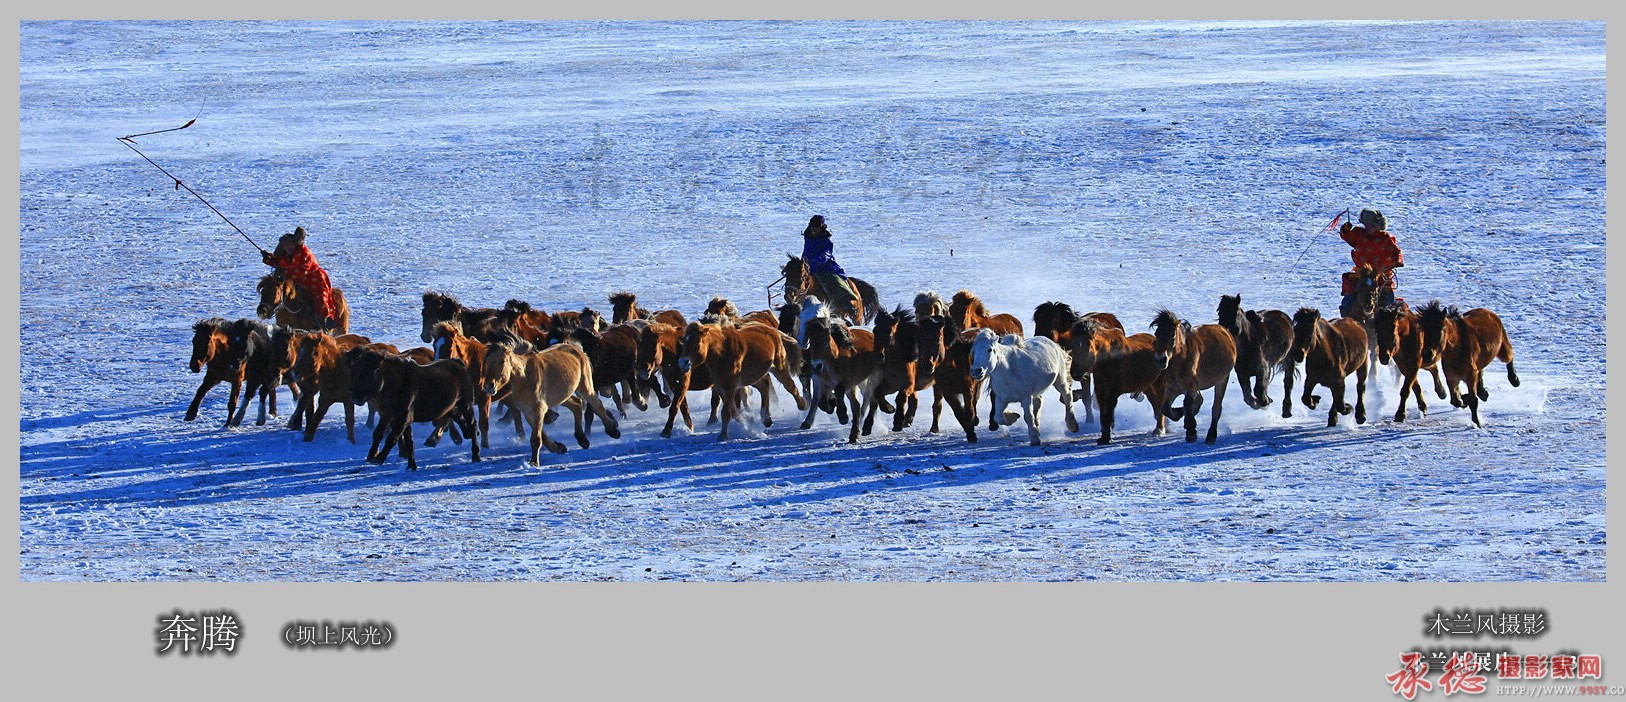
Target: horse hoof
column 1360, row 417
column 190, row 418
column 1400, row 416
column 1103, row 441
column 1211, row 438
column 558, row 448
column 971, row 438
column 666, row 434
column 582, row 441
column 613, row 432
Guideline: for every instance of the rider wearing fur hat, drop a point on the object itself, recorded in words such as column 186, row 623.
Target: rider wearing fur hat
column 1373, row 246
column 296, row 261
column 818, row 253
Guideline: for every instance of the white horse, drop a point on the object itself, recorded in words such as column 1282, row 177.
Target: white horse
column 1014, row 368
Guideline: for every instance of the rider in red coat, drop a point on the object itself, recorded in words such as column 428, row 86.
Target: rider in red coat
column 1374, row 246
column 297, row 262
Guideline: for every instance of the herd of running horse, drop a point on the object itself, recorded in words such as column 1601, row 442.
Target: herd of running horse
column 532, row 362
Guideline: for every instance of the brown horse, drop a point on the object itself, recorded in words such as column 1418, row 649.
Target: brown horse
column 1191, row 361
column 519, row 319
column 658, row 354
column 1120, row 365
column 738, row 357
column 1400, row 337
column 1055, row 320
column 280, row 297
column 212, row 352
column 1463, row 345
column 966, row 311
column 1263, row 339
column 323, row 379
column 624, row 307
column 538, row 380
column 450, row 343
column 800, row 283
column 1330, row 351
column 950, row 366
column 478, row 322
column 845, row 363
column 614, row 358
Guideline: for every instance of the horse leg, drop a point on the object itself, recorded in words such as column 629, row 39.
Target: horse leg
column 1030, row 413
column 1064, row 386
column 859, row 408
column 1088, row 397
column 231, row 400
column 1287, row 393
column 1473, row 400
column 1214, row 414
column 730, row 400
column 302, row 407
column 1439, row 388
column 197, row 399
column 1337, row 404
column 937, row 410
column 789, row 383
column 904, row 395
column 765, row 388
column 318, row 410
column 1307, row 399
column 1193, row 402
column 483, row 416
column 576, row 419
column 872, row 402
column 350, row 420
column 1408, row 385
column 1249, row 394
column 1109, row 411
column 1360, row 394
column 813, row 408
column 539, row 434
column 1481, row 391
column 612, row 428
column 379, row 434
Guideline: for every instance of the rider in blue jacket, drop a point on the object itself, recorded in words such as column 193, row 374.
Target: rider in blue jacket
column 818, row 254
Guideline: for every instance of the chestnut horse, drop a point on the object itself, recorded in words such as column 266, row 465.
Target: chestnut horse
column 897, row 337
column 1400, row 337
column 519, row 319
column 658, row 354
column 739, row 357
column 1191, row 361
column 1330, row 351
column 212, row 352
column 324, row 379
column 800, row 283
column 1262, row 338
column 1055, row 320
column 1120, row 365
column 950, row 367
column 966, row 311
column 1463, row 344
column 624, row 307
column 281, row 298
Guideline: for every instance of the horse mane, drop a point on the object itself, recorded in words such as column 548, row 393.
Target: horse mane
column 929, row 299
column 727, row 305
column 211, row 324
column 1165, row 318
column 446, row 329
column 839, row 332
column 435, row 299
column 712, row 318
column 967, row 299
column 1061, row 312
column 518, row 306
column 622, row 297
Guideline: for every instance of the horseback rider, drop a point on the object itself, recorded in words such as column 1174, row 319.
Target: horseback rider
column 296, row 261
column 818, row 255
column 1374, row 246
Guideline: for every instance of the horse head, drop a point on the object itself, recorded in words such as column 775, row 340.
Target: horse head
column 1432, row 317
column 984, row 353
column 1230, row 314
column 1386, row 322
column 1169, row 334
column 208, row 339
column 1305, row 322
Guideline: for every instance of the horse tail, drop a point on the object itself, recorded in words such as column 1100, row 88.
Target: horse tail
column 1505, row 355
column 871, row 300
column 341, row 312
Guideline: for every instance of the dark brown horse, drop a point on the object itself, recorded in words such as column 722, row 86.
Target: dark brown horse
column 1055, row 320
column 1400, row 337
column 1191, row 361
column 897, row 339
column 478, row 322
column 1263, row 338
column 517, row 318
column 800, row 283
column 405, row 393
column 949, row 362
column 1120, row 365
column 251, row 345
column 1330, row 351
column 281, row 298
column 1463, row 345
column 323, row 379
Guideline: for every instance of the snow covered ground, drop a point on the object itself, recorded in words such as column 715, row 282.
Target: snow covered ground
column 1115, row 166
